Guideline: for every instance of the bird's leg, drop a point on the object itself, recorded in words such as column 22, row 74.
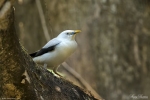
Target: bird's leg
column 45, row 66
column 55, row 71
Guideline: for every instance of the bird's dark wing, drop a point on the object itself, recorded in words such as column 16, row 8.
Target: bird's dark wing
column 50, row 46
column 33, row 54
column 45, row 50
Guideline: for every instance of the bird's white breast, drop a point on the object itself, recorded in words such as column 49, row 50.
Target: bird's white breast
column 62, row 51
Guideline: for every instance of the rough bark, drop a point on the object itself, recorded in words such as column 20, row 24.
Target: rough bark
column 20, row 77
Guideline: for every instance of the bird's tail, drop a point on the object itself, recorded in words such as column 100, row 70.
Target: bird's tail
column 33, row 54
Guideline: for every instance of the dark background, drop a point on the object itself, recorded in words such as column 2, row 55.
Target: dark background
column 113, row 53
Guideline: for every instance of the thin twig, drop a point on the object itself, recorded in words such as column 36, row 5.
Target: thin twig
column 136, row 47
column 80, row 79
column 5, row 7
column 42, row 18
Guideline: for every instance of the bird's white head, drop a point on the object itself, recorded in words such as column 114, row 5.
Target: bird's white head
column 68, row 34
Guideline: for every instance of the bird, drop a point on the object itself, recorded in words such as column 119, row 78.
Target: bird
column 57, row 50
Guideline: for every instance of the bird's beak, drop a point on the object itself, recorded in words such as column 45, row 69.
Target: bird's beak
column 77, row 31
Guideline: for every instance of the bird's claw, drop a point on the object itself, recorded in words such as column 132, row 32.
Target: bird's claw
column 55, row 71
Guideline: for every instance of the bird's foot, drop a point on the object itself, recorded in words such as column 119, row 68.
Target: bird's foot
column 55, row 71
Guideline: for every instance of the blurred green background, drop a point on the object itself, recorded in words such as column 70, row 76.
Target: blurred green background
column 113, row 53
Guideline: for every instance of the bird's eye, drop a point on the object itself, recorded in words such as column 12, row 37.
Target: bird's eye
column 67, row 33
